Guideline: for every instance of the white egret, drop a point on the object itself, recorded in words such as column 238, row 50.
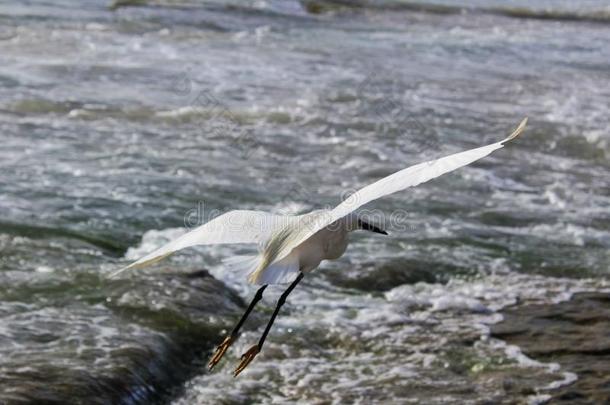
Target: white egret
column 291, row 246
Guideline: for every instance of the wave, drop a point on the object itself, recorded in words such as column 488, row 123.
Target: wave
column 304, row 7
column 111, row 246
column 594, row 15
column 185, row 114
column 336, row 340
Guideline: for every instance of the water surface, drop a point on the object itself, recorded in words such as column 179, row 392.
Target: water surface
column 121, row 124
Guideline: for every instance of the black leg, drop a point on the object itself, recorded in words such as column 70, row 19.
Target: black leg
column 247, row 357
column 257, row 297
column 222, row 348
column 280, row 302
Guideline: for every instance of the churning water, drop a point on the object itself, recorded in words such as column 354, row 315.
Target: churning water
column 120, row 123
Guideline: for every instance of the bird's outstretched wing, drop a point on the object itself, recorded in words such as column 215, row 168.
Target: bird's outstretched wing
column 241, row 226
column 412, row 176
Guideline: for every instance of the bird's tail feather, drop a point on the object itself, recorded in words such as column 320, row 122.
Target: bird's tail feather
column 243, row 265
column 282, row 271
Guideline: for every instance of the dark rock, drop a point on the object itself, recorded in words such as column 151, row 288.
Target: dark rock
column 575, row 334
column 109, row 342
column 385, row 275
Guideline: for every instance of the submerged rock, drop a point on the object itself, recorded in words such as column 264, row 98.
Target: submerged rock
column 100, row 342
column 388, row 274
column 575, row 334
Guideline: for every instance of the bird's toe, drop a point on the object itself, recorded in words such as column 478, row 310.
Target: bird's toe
column 246, row 359
column 220, row 351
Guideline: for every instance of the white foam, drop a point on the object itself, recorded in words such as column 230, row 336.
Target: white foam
column 457, row 302
column 152, row 240
column 44, row 269
column 351, row 342
column 568, row 378
column 371, row 332
column 181, row 112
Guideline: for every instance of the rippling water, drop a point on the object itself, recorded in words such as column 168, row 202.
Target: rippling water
column 120, row 123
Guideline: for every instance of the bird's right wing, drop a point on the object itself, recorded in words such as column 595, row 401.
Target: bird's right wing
column 240, row 226
column 412, row 176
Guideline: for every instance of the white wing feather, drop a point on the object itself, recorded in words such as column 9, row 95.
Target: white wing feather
column 281, row 234
column 409, row 177
column 241, row 226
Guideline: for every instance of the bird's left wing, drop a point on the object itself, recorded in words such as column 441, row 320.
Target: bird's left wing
column 240, row 226
column 409, row 177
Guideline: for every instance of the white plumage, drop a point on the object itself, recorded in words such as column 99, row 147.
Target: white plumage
column 289, row 244
column 240, row 226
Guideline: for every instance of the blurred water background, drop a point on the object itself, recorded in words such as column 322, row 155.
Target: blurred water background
column 120, row 122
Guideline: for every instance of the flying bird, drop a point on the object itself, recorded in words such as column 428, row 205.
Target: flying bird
column 291, row 246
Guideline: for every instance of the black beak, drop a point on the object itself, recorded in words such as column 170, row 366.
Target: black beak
column 368, row 227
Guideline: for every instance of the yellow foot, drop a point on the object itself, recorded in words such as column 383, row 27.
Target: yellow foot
column 220, row 351
column 246, row 358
